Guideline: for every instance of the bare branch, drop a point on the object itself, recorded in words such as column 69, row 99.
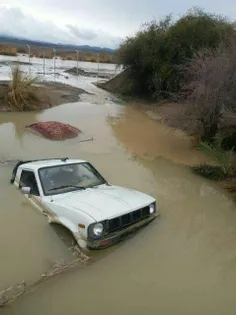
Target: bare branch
column 211, row 85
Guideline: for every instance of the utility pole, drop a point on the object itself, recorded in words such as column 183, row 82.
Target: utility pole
column 54, row 63
column 29, row 56
column 77, row 61
column 98, row 65
column 44, row 62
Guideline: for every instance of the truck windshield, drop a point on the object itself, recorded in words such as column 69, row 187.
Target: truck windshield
column 69, row 177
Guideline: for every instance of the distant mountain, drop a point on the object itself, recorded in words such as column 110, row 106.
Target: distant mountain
column 20, row 41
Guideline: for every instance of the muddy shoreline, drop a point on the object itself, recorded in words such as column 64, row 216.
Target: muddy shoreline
column 50, row 94
column 173, row 113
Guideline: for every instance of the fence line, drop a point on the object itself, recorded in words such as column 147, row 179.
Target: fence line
column 96, row 72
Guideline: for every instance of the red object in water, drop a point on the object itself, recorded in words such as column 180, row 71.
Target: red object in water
column 54, row 130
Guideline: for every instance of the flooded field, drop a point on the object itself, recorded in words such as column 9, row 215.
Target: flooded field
column 36, row 66
column 182, row 263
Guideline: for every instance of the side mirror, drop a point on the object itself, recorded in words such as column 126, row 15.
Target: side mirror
column 25, row 190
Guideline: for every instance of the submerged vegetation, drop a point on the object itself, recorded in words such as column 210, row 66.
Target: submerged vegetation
column 224, row 168
column 224, row 160
column 209, row 171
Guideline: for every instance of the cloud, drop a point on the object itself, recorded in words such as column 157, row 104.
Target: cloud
column 92, row 36
column 81, row 33
column 15, row 22
column 119, row 17
column 93, row 22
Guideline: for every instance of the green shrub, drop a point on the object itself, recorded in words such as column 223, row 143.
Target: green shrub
column 229, row 142
column 223, row 158
column 159, row 48
column 209, row 171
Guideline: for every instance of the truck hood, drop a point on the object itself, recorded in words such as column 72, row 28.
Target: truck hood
column 104, row 202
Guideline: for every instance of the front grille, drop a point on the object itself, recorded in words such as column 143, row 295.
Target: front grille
column 127, row 219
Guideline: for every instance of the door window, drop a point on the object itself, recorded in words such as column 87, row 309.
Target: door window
column 28, row 180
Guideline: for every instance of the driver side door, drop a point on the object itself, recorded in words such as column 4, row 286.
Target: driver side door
column 28, row 179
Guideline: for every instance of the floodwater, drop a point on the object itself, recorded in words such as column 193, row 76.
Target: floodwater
column 183, row 263
column 49, row 72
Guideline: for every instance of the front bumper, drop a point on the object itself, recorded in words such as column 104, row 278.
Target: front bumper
column 118, row 236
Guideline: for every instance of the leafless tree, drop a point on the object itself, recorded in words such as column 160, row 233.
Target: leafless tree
column 211, row 85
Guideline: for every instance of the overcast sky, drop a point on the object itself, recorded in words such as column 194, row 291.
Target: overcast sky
column 93, row 22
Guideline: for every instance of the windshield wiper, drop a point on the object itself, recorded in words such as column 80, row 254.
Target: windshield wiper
column 67, row 186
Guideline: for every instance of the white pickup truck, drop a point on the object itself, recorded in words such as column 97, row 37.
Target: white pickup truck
column 74, row 194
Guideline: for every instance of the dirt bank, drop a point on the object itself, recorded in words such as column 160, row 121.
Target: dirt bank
column 50, row 94
column 172, row 114
column 120, row 84
column 89, row 73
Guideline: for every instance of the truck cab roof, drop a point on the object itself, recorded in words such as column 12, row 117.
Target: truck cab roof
column 35, row 165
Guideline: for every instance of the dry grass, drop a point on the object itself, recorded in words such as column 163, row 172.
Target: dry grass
column 8, row 53
column 22, row 95
column 89, row 56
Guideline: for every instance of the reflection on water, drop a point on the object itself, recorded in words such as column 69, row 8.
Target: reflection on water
column 147, row 138
column 17, row 121
column 182, row 263
column 27, row 242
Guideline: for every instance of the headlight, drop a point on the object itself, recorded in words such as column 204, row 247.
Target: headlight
column 152, row 208
column 98, row 229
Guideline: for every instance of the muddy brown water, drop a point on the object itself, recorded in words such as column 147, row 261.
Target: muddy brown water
column 182, row 263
